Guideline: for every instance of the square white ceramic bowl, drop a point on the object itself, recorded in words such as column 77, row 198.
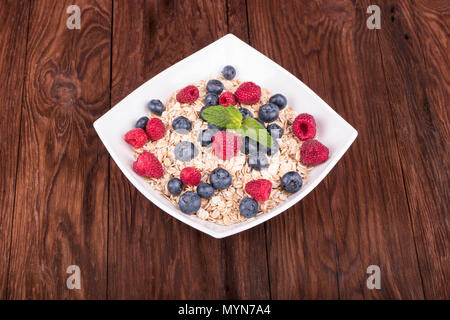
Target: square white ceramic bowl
column 251, row 65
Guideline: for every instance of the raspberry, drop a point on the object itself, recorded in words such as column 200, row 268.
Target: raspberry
column 190, row 176
column 227, row 98
column 136, row 137
column 248, row 93
column 226, row 145
column 259, row 189
column 304, row 127
column 188, row 94
column 155, row 129
column 148, row 165
column 312, row 152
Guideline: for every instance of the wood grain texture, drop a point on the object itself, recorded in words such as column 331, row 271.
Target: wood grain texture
column 63, row 201
column 416, row 65
column 170, row 259
column 301, row 242
column 60, row 217
column 13, row 42
column 358, row 212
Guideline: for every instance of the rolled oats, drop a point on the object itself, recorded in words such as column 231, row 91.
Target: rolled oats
column 223, row 207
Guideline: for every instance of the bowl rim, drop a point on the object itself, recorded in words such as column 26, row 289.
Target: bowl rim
column 242, row 226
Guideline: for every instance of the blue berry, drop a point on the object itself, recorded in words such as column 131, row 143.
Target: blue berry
column 205, row 137
column 189, row 202
column 245, row 113
column 214, row 86
column 211, row 99
column 214, row 127
column 220, row 178
column 156, row 106
column 291, row 182
column 268, row 112
column 181, row 125
column 228, row 72
column 275, row 130
column 185, row 151
column 248, row 207
column 205, row 190
column 258, row 160
column 142, row 123
column 262, row 123
column 201, row 112
column 175, row 186
column 279, row 100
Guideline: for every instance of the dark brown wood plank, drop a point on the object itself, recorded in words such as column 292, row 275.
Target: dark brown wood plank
column 152, row 255
column 361, row 209
column 60, row 217
column 301, row 241
column 415, row 59
column 13, row 40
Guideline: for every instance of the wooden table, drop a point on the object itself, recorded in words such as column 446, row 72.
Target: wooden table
column 64, row 202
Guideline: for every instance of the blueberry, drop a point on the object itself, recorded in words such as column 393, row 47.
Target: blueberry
column 279, row 100
column 211, row 99
column 214, row 86
column 291, row 182
column 258, row 160
column 248, row 207
column 262, row 123
column 142, row 123
column 175, row 186
column 205, row 190
column 185, row 151
column 156, row 106
column 189, row 202
column 275, row 130
column 245, row 113
column 181, row 125
column 220, row 178
column 201, row 112
column 205, row 137
column 228, row 72
column 214, row 127
column 268, row 112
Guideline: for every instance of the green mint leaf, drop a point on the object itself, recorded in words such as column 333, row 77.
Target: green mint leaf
column 235, row 118
column 254, row 130
column 217, row 115
column 225, row 117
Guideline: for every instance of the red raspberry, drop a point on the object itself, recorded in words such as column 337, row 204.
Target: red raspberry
column 136, row 137
column 188, row 94
column 148, row 165
column 313, row 152
column 248, row 93
column 190, row 176
column 227, row 98
column 155, row 129
column 226, row 145
column 259, row 189
column 304, row 127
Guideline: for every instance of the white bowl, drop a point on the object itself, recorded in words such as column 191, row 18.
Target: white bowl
column 251, row 65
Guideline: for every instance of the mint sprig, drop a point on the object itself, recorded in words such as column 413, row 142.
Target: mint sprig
column 254, row 130
column 231, row 118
